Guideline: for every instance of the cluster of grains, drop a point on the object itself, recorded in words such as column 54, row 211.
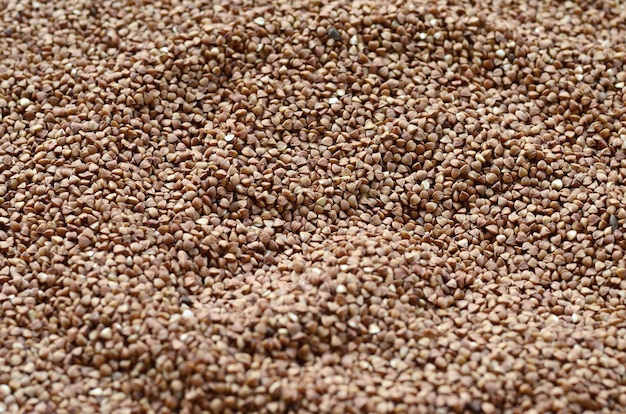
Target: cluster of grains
column 307, row 206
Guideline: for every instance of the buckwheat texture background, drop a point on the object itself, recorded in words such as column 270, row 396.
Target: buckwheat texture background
column 312, row 206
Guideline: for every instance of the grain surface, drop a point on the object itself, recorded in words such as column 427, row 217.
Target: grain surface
column 312, row 206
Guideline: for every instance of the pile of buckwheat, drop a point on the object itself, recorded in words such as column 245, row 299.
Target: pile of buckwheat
column 312, row 206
